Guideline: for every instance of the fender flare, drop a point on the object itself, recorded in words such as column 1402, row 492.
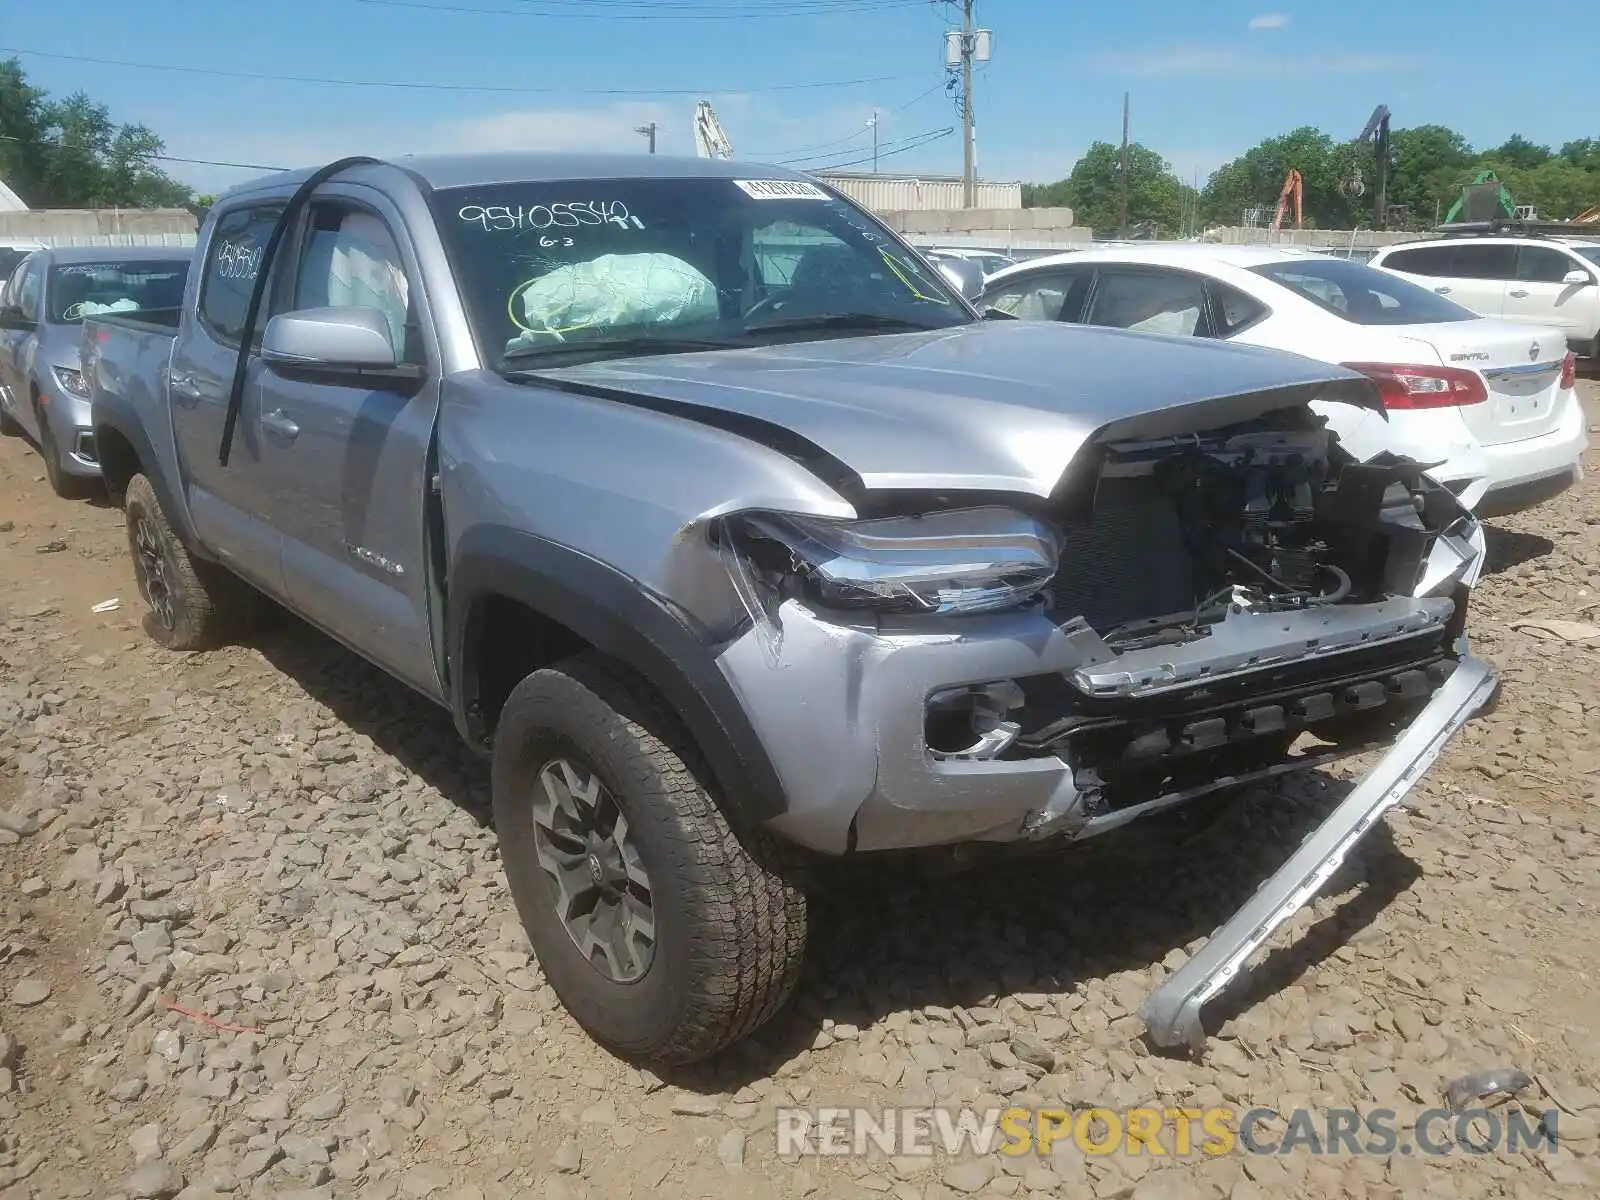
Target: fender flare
column 624, row 621
column 122, row 419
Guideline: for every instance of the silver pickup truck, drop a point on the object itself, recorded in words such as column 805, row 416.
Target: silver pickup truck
column 738, row 539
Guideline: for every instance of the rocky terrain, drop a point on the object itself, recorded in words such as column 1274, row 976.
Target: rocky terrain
column 254, row 940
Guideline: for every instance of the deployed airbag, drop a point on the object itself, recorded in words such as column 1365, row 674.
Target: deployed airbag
column 612, row 291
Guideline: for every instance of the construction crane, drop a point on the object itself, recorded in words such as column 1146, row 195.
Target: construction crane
column 710, row 141
column 1294, row 186
column 1377, row 132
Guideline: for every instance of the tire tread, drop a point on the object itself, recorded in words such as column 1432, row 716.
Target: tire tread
column 748, row 930
column 215, row 605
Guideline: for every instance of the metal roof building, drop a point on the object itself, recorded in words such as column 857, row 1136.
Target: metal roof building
column 918, row 193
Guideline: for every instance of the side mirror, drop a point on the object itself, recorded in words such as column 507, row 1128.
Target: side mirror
column 991, row 313
column 332, row 343
column 964, row 275
column 1577, row 277
column 11, row 318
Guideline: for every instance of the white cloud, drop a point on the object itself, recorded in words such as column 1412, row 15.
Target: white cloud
column 1179, row 61
column 756, row 128
column 609, row 128
column 1269, row 21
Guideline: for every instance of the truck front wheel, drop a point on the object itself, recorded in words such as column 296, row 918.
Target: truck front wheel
column 194, row 605
column 664, row 936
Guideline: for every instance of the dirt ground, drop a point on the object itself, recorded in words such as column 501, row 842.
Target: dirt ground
column 254, row 940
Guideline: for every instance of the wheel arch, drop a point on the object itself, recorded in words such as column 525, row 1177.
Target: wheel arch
column 517, row 602
column 124, row 449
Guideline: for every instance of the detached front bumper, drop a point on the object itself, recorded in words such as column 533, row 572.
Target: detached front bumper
column 1172, row 1013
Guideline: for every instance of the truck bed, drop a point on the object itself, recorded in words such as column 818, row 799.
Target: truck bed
column 125, row 363
column 125, row 356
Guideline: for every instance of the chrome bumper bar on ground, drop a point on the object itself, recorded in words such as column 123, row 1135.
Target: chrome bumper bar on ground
column 1172, row 1012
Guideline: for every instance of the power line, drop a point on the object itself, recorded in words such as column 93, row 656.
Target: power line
column 784, row 157
column 199, row 162
column 916, row 142
column 412, row 85
column 555, row 10
column 802, row 159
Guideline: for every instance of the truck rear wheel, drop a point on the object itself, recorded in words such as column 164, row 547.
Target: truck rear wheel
column 194, row 605
column 665, row 937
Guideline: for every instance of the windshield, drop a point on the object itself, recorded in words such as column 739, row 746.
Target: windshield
column 79, row 290
column 1363, row 295
column 556, row 271
column 1592, row 253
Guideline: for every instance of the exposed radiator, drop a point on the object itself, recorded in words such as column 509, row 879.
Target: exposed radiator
column 1128, row 563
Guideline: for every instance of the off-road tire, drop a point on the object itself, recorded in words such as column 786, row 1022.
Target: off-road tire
column 730, row 922
column 62, row 482
column 209, row 605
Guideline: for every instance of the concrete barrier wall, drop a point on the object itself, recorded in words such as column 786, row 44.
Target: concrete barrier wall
column 1244, row 235
column 1029, row 222
column 50, row 224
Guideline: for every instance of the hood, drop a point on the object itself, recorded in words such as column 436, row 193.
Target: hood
column 993, row 406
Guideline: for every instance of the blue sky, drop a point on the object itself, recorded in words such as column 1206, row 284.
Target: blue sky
column 1207, row 80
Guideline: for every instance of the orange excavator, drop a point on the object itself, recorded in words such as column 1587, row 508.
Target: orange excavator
column 1294, row 186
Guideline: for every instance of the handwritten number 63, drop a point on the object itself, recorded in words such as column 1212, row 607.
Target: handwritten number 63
column 548, row 241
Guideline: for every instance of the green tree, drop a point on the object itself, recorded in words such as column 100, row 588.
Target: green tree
column 1518, row 151
column 1424, row 163
column 1584, row 152
column 70, row 153
column 1094, row 190
column 21, row 131
column 1257, row 177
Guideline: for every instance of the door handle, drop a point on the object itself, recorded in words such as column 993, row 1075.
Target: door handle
column 279, row 423
column 1442, row 290
column 1518, row 293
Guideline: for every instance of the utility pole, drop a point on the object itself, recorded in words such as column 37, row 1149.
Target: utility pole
column 649, row 131
column 1123, row 230
column 961, row 51
column 969, row 183
column 873, row 124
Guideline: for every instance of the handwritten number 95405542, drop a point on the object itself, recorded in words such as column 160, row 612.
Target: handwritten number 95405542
column 562, row 214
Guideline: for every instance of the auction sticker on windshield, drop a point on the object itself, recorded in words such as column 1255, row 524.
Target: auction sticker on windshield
column 780, row 189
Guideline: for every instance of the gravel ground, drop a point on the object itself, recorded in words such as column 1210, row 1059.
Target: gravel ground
column 254, row 940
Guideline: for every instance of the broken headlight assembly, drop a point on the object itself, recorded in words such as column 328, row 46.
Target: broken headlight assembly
column 955, row 562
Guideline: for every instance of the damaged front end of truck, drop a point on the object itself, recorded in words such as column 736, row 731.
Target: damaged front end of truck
column 1189, row 610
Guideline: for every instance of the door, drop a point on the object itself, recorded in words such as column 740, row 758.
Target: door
column 356, row 457
column 1537, row 296
column 1471, row 273
column 1150, row 300
column 1054, row 294
column 1479, row 275
column 233, row 507
column 26, row 291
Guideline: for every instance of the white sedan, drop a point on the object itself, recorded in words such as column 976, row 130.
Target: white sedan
column 1490, row 402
